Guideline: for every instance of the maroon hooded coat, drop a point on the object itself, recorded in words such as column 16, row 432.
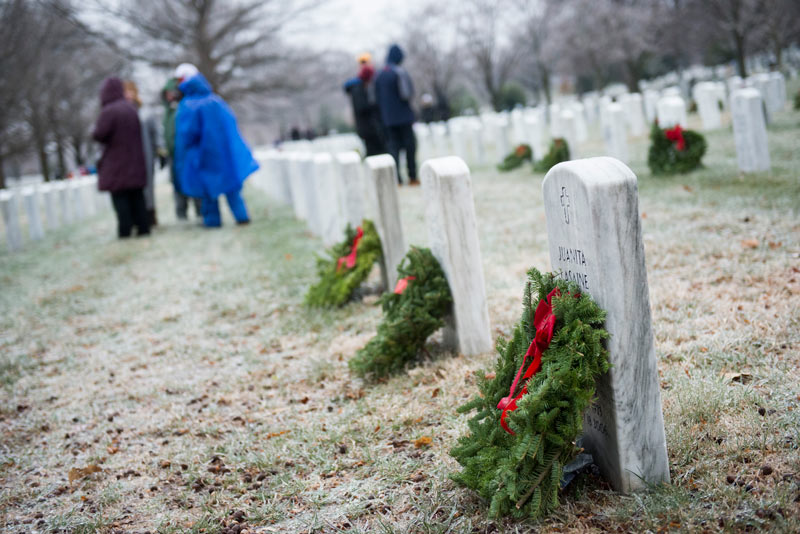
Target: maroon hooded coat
column 122, row 165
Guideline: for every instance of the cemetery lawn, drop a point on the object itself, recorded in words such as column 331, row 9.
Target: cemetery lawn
column 179, row 381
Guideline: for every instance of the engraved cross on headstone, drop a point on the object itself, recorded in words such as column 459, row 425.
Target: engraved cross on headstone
column 565, row 204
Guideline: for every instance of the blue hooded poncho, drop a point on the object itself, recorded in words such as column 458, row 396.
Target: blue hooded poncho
column 211, row 158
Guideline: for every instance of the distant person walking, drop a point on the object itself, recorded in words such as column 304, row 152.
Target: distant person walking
column 152, row 145
column 211, row 157
column 170, row 98
column 121, row 168
column 366, row 115
column 394, row 92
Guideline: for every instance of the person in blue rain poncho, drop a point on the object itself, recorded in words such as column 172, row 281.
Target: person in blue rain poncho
column 211, row 157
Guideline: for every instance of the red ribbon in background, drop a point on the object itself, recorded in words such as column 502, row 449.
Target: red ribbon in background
column 676, row 134
column 544, row 321
column 350, row 259
column 402, row 284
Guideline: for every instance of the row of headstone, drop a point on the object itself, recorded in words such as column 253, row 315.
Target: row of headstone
column 595, row 240
column 32, row 210
column 329, row 192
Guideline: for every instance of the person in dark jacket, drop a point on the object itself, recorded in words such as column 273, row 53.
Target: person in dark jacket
column 394, row 92
column 152, row 143
column 170, row 98
column 365, row 111
column 121, row 168
column 211, row 158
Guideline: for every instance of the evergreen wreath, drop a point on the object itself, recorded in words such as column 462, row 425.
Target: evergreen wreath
column 675, row 150
column 559, row 151
column 347, row 266
column 520, row 155
column 411, row 313
column 526, row 425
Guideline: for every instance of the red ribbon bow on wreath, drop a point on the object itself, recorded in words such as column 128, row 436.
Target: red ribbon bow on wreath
column 350, row 259
column 676, row 134
column 402, row 284
column 544, row 321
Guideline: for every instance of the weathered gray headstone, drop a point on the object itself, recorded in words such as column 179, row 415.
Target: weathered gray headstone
column 31, row 201
column 453, row 237
column 10, row 210
column 351, row 188
column 595, row 238
column 383, row 189
column 750, row 130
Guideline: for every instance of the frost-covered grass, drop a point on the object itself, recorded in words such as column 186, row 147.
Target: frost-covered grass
column 185, row 366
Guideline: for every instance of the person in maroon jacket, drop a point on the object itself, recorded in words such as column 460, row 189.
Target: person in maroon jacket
column 121, row 168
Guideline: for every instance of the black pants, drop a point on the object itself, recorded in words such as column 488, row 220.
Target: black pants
column 402, row 137
column 131, row 211
column 374, row 145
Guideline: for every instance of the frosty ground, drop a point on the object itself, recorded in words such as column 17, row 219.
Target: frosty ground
column 185, row 367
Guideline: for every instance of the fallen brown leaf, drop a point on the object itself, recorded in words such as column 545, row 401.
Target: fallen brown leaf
column 743, row 378
column 435, row 393
column 750, row 243
column 76, row 473
column 424, row 441
column 276, row 434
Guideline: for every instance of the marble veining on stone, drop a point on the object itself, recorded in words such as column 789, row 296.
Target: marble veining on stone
column 453, row 237
column 592, row 207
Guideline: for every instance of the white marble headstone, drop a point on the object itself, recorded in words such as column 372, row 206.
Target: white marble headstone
column 51, row 213
column 383, row 188
column 453, row 237
column 671, row 110
column 296, row 164
column 569, row 131
column 67, row 215
column 706, row 96
column 595, row 237
column 76, row 198
column 650, row 100
column 634, row 114
column 615, row 132
column 331, row 228
column 750, row 130
column 30, row 198
column 10, row 212
column 352, row 204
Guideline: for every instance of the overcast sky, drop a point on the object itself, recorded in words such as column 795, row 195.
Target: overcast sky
column 355, row 25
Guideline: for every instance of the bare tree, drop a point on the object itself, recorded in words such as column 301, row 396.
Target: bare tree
column 432, row 56
column 18, row 51
column 234, row 43
column 741, row 21
column 535, row 38
column 781, row 25
column 484, row 28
